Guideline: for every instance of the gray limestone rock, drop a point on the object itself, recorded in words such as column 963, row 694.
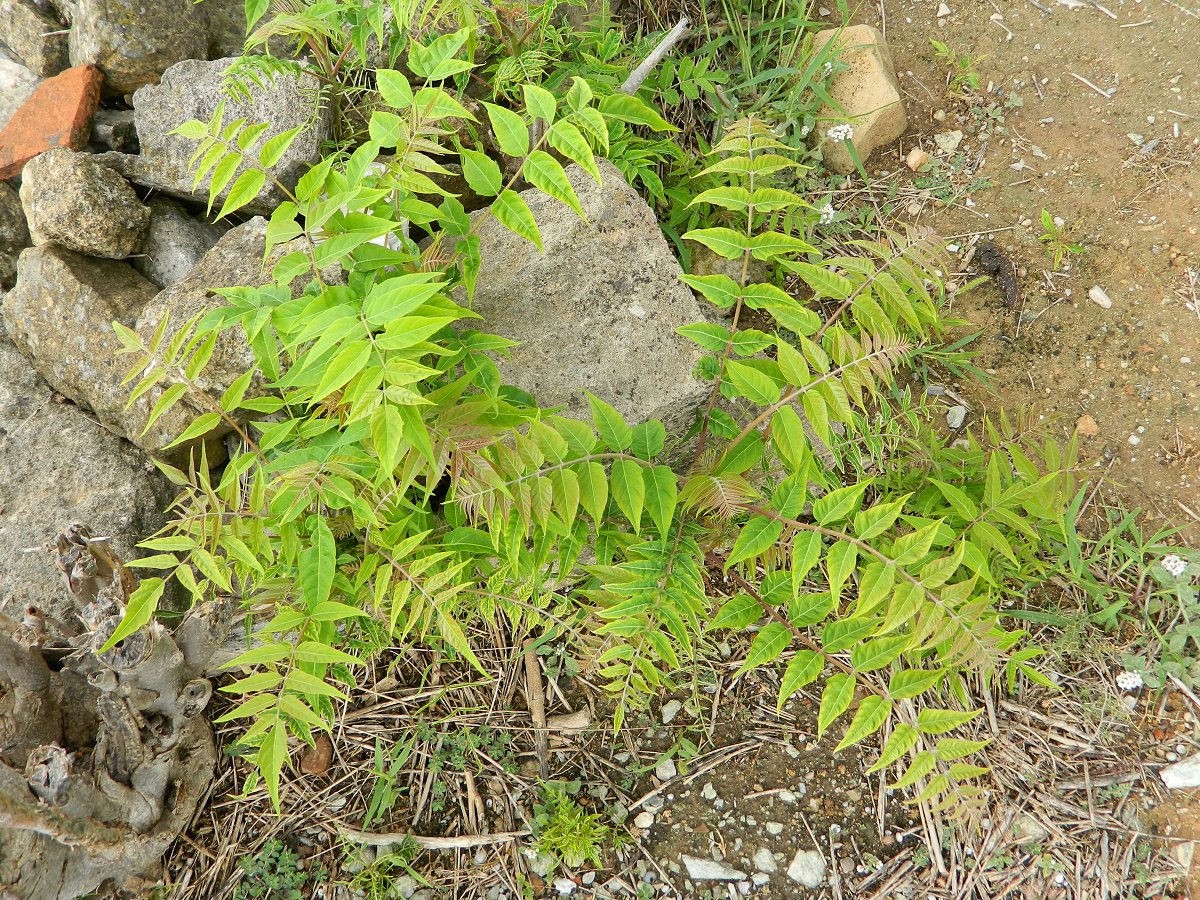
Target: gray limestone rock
column 14, row 233
column 73, row 202
column 597, row 311
column 135, row 41
column 192, row 90
column 807, row 868
column 17, row 83
column 699, row 869
column 35, row 35
column 176, row 242
column 60, row 315
column 57, row 466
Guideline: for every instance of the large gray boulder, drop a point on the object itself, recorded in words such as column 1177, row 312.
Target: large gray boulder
column 17, row 83
column 14, row 233
column 192, row 90
column 57, row 466
column 60, row 315
column 597, row 311
column 72, row 201
column 35, row 35
column 135, row 41
column 175, row 243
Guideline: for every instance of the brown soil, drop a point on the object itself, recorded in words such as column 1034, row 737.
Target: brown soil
column 1134, row 367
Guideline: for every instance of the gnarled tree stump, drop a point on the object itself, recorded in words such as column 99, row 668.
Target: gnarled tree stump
column 104, row 756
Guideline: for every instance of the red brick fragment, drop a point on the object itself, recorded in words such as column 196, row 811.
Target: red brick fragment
column 57, row 114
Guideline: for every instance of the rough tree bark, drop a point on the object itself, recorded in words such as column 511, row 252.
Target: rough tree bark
column 104, row 757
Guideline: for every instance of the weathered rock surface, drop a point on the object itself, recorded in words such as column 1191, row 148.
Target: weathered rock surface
column 14, row 234
column 57, row 114
column 34, row 35
column 226, row 27
column 597, row 311
column 58, row 466
column 807, row 868
column 192, row 90
column 175, row 242
column 60, row 315
column 74, row 202
column 1182, row 775
column 17, row 82
column 113, row 128
column 699, row 869
column 867, row 92
column 236, row 259
column 135, row 41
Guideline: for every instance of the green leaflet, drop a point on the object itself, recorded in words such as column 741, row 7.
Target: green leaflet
column 835, row 700
column 802, row 670
column 514, row 214
column 737, row 612
column 871, row 714
column 768, row 644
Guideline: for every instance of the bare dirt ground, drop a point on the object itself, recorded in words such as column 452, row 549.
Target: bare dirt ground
column 1117, row 160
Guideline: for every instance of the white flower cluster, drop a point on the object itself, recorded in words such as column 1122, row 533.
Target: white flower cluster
column 1175, row 565
column 827, row 214
column 1130, row 681
column 839, row 133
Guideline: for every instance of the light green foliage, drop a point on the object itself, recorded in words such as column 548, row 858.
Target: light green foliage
column 341, row 44
column 566, row 831
column 324, row 515
column 377, row 879
column 892, row 582
column 391, row 491
column 962, row 76
column 1059, row 240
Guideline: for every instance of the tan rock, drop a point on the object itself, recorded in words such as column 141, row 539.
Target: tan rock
column 867, row 92
column 1087, row 426
column 916, row 158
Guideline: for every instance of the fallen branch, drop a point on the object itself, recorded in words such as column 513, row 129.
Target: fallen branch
column 462, row 842
column 642, row 72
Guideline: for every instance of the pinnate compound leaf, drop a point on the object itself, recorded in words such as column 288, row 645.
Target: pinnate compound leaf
column 756, row 536
column 629, row 490
column 840, row 504
column 546, row 174
column 911, row 682
column 481, row 172
column 903, row 738
column 611, row 425
column 512, row 134
column 635, row 111
column 739, row 611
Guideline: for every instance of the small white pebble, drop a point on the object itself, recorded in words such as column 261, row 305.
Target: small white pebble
column 1099, row 296
column 1134, row 440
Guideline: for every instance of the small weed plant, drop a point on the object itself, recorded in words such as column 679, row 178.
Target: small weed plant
column 1058, row 238
column 563, row 829
column 273, row 873
column 962, row 75
column 386, row 490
